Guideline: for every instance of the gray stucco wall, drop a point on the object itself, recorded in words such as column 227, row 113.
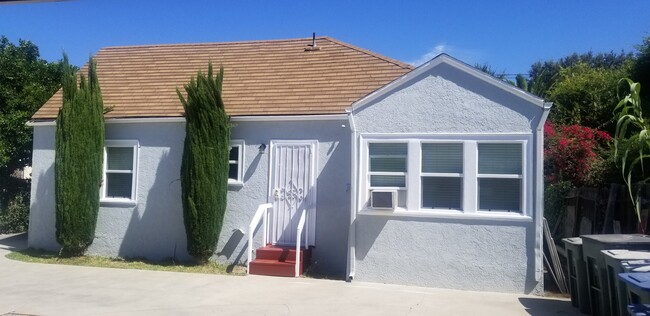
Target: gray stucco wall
column 445, row 100
column 437, row 251
column 154, row 227
column 467, row 254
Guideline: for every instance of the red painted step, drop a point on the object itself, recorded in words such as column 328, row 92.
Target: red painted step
column 278, row 261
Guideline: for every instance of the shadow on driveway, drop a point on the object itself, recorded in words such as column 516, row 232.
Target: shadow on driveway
column 13, row 241
column 542, row 306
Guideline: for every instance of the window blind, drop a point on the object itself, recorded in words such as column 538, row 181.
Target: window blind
column 442, row 158
column 442, row 192
column 119, row 158
column 497, row 158
column 119, row 185
column 499, row 194
column 387, row 181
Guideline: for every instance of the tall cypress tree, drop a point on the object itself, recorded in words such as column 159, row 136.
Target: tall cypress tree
column 79, row 159
column 204, row 169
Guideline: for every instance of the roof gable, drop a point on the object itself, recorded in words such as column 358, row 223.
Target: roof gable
column 444, row 59
column 276, row 77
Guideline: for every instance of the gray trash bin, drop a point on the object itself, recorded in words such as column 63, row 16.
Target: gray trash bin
column 617, row 289
column 595, row 264
column 577, row 274
column 636, row 265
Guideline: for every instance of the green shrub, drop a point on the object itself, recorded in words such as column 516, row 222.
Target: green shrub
column 15, row 218
column 555, row 202
column 79, row 159
column 204, row 168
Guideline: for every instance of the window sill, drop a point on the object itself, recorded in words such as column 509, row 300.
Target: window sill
column 401, row 212
column 118, row 202
column 235, row 184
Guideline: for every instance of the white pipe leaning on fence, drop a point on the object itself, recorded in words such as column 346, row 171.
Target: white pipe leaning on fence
column 301, row 224
column 260, row 214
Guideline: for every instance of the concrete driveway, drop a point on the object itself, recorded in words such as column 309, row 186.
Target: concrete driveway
column 42, row 289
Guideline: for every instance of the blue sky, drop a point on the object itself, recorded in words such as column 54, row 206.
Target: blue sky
column 509, row 35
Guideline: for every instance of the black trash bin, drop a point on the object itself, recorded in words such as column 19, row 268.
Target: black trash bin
column 577, row 274
column 595, row 265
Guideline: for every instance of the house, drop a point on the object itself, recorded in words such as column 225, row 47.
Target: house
column 429, row 176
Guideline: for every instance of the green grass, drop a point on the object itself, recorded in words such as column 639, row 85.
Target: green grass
column 39, row 256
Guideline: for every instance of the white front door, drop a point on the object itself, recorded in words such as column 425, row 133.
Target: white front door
column 292, row 188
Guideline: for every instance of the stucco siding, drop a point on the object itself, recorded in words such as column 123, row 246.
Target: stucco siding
column 333, row 197
column 41, row 232
column 445, row 100
column 464, row 251
column 154, row 229
column 445, row 253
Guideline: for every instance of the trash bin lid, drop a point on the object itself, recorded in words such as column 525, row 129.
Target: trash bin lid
column 636, row 265
column 619, row 239
column 641, row 280
column 624, row 254
column 573, row 240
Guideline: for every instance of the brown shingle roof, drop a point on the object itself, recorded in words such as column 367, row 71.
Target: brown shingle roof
column 261, row 77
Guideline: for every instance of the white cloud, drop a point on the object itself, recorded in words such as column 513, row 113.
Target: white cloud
column 466, row 55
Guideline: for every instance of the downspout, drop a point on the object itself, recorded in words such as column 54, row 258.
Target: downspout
column 353, row 199
column 539, row 193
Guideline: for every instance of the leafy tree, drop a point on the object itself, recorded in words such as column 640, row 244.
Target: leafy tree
column 641, row 70
column 586, row 95
column 26, row 82
column 79, row 159
column 204, row 168
column 543, row 74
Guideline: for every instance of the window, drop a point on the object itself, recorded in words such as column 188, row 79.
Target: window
column 387, row 165
column 442, row 175
column 236, row 162
column 120, row 170
column 499, row 177
column 449, row 174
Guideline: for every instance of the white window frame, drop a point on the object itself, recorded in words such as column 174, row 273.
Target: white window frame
column 240, row 163
column 522, row 201
column 470, row 176
column 387, row 173
column 441, row 175
column 134, row 179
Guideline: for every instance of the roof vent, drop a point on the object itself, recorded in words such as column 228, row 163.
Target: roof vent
column 312, row 47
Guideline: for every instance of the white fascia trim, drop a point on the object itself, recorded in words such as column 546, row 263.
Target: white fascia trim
column 287, row 118
column 444, row 58
column 278, row 118
column 120, row 121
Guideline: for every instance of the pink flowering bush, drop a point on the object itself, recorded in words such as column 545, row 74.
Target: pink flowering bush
column 574, row 153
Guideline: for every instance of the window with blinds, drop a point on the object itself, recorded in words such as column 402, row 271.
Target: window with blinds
column 120, row 170
column 235, row 162
column 387, row 168
column 500, row 176
column 442, row 175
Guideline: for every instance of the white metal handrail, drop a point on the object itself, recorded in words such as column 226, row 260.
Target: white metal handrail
column 261, row 214
column 301, row 224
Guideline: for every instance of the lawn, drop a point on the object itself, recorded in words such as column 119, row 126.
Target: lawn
column 39, row 256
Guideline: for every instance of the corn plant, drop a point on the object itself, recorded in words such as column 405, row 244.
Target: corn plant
column 632, row 140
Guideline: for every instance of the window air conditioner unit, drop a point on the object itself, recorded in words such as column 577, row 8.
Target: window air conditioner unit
column 383, row 199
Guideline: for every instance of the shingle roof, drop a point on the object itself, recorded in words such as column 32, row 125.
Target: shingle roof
column 277, row 77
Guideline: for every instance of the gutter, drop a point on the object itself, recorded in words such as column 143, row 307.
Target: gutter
column 351, row 266
column 539, row 192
